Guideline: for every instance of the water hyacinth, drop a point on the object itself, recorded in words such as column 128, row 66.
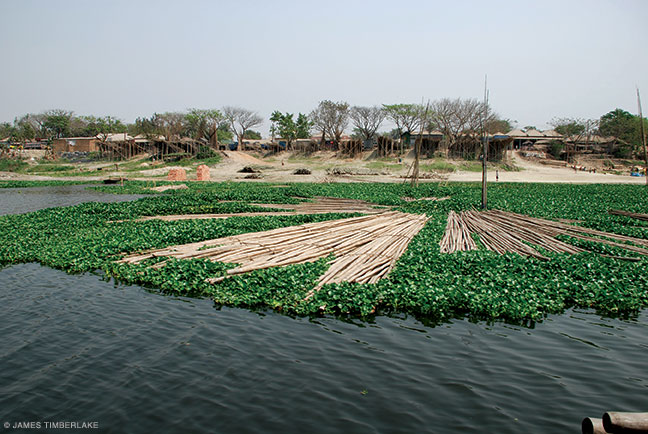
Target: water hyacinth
column 479, row 284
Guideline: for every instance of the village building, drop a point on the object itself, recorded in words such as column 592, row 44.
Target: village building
column 75, row 144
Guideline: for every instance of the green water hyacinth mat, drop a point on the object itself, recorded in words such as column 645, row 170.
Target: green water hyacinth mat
column 438, row 286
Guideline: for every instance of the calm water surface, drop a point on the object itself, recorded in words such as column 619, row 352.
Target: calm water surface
column 21, row 200
column 77, row 348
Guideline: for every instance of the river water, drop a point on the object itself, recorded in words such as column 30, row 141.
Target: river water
column 77, row 348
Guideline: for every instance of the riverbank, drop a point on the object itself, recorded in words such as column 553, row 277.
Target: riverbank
column 324, row 167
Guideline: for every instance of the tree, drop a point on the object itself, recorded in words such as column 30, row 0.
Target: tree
column 303, row 126
column 284, row 126
column 622, row 125
column 331, row 118
column 407, row 118
column 367, row 120
column 494, row 125
column 57, row 122
column 288, row 129
column 36, row 122
column 90, row 126
column 574, row 130
column 170, row 124
column 568, row 127
column 240, row 121
column 203, row 124
column 459, row 120
column 251, row 134
column 223, row 133
column 6, row 130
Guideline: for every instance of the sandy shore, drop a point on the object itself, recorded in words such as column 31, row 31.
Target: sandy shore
column 281, row 169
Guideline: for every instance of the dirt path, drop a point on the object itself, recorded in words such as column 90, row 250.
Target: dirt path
column 535, row 172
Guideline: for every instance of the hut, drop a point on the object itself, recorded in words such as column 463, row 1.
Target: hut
column 430, row 141
column 75, row 144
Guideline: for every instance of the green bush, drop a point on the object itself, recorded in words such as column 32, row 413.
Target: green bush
column 10, row 165
column 556, row 149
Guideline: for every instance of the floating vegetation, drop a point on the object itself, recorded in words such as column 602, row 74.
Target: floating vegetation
column 479, row 283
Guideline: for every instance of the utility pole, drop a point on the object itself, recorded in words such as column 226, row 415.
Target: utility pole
column 484, row 203
column 417, row 147
column 643, row 137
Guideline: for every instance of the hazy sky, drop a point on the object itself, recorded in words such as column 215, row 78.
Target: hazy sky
column 544, row 59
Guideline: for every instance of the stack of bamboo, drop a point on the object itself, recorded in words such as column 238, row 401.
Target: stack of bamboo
column 633, row 215
column 321, row 205
column 457, row 236
column 365, row 248
column 503, row 232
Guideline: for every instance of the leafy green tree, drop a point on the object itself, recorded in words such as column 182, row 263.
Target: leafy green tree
column 303, row 126
column 203, row 124
column 569, row 127
column 622, row 125
column 224, row 133
column 253, row 135
column 285, row 126
column 497, row 125
column 6, row 130
column 57, row 122
column 90, row 126
column 289, row 129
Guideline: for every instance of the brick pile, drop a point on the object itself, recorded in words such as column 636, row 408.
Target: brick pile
column 202, row 173
column 177, row 175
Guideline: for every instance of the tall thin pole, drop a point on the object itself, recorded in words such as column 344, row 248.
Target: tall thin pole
column 484, row 203
column 417, row 146
column 643, row 136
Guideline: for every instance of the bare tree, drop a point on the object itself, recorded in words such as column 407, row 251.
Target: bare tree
column 171, row 124
column 331, row 118
column 367, row 120
column 459, row 119
column 241, row 120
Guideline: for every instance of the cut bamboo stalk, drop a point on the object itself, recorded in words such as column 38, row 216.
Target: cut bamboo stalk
column 591, row 425
column 622, row 423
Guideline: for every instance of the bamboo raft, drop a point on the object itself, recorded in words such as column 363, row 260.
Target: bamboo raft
column 503, row 232
column 321, row 205
column 366, row 248
column 633, row 215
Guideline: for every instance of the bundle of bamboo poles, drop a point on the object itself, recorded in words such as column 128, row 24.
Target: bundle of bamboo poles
column 365, row 248
column 503, row 232
column 633, row 215
column 615, row 422
column 321, row 205
column 457, row 236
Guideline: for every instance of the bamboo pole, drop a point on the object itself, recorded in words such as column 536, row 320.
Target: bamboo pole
column 625, row 423
column 591, row 425
column 643, row 136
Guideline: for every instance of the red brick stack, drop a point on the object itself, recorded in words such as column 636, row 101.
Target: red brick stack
column 202, row 173
column 177, row 175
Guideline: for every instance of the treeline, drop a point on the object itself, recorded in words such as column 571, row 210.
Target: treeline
column 459, row 120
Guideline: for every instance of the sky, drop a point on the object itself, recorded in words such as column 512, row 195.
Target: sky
column 543, row 59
